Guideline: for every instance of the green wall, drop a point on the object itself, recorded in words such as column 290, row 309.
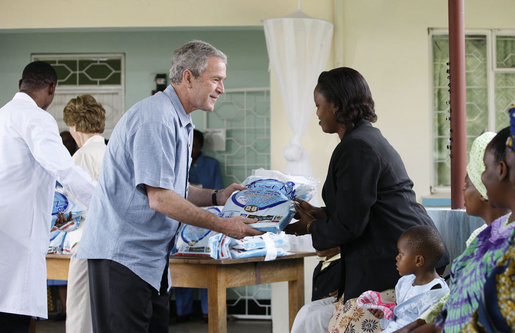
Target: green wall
column 147, row 52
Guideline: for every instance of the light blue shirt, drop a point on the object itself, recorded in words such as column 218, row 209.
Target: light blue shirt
column 150, row 145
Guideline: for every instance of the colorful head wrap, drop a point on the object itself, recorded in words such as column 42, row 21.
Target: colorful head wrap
column 511, row 138
column 476, row 166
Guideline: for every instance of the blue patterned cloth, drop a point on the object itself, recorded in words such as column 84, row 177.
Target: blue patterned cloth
column 470, row 270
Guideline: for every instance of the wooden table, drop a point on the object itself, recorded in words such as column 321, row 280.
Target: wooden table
column 218, row 275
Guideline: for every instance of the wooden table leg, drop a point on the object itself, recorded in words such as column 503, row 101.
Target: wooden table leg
column 296, row 291
column 217, row 300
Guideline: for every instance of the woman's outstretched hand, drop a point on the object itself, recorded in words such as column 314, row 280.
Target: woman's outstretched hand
column 308, row 209
column 306, row 214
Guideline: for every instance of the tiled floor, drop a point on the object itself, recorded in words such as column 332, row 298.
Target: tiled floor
column 195, row 326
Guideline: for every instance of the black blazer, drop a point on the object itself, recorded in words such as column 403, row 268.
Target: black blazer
column 369, row 204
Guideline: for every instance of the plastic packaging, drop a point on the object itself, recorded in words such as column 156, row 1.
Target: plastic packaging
column 269, row 199
column 58, row 233
column 191, row 240
column 64, row 204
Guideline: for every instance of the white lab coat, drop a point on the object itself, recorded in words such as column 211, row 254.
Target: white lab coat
column 32, row 158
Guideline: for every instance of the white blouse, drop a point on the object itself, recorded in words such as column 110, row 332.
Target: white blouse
column 89, row 157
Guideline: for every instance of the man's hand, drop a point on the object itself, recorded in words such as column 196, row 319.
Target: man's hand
column 236, row 227
column 62, row 219
column 223, row 195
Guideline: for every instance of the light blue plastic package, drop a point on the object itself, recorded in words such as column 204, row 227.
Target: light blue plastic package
column 203, row 242
column 56, row 244
column 239, row 254
column 64, row 204
column 58, row 233
column 191, row 240
column 219, row 246
column 269, row 199
column 269, row 245
column 258, row 242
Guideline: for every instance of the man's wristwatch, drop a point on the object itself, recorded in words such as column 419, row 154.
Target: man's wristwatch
column 213, row 198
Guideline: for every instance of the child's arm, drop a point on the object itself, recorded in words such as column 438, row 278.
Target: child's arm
column 377, row 313
column 420, row 326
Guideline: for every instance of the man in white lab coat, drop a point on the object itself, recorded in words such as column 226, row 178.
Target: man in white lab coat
column 32, row 158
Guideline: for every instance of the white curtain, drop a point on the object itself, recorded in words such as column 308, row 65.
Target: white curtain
column 298, row 48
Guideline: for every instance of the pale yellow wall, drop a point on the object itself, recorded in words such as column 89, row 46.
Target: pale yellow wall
column 149, row 13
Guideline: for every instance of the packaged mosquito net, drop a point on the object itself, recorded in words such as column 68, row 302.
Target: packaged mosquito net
column 63, row 203
column 59, row 242
column 191, row 240
column 268, row 198
column 268, row 245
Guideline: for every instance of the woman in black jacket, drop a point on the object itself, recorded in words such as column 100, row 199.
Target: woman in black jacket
column 368, row 194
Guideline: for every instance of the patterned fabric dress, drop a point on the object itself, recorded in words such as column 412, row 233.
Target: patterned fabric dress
column 496, row 312
column 349, row 317
column 470, row 270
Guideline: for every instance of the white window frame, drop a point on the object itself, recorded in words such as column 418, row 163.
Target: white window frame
column 95, row 56
column 90, row 89
column 490, row 73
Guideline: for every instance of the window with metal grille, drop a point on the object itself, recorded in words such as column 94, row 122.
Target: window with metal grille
column 100, row 75
column 490, row 79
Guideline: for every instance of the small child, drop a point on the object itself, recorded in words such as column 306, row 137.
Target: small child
column 420, row 286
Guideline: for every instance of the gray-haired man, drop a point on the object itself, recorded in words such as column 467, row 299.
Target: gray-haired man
column 143, row 192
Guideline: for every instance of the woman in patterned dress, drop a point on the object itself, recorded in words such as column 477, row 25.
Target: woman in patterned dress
column 469, row 271
column 496, row 310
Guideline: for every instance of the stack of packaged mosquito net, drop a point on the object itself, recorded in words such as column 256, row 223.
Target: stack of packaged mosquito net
column 268, row 199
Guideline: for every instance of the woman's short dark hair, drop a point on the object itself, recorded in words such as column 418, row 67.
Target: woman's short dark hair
column 38, row 75
column 347, row 89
